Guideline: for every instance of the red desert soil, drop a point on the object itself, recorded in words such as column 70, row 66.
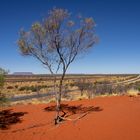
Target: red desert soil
column 112, row 118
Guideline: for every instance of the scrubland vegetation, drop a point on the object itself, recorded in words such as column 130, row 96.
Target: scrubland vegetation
column 77, row 87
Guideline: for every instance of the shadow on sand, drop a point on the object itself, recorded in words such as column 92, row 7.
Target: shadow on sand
column 69, row 110
column 8, row 117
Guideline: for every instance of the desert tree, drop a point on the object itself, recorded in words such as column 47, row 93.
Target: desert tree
column 56, row 41
column 89, row 88
column 81, row 85
column 85, row 85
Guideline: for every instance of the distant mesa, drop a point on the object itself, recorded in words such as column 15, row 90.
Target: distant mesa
column 22, row 73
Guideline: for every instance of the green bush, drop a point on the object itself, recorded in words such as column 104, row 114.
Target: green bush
column 3, row 98
column 139, row 89
column 1, row 81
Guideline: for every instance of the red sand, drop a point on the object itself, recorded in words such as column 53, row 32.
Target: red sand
column 119, row 120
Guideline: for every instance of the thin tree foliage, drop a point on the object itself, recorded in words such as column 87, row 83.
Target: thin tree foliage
column 57, row 41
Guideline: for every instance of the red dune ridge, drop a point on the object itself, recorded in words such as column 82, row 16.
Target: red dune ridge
column 102, row 118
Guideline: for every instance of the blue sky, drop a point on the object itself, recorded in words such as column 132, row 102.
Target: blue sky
column 118, row 27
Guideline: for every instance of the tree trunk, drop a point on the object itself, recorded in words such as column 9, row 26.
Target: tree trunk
column 58, row 100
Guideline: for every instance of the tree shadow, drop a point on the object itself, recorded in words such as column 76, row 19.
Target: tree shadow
column 69, row 110
column 7, row 118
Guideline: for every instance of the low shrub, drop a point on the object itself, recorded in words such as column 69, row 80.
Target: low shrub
column 10, row 87
column 16, row 86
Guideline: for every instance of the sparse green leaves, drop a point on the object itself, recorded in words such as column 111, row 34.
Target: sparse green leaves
column 23, row 46
column 58, row 37
column 89, row 23
column 3, row 72
column 2, row 78
column 1, row 81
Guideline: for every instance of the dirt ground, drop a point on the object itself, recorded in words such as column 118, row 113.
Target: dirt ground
column 102, row 118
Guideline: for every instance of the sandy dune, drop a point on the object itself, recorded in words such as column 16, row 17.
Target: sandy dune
column 106, row 118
